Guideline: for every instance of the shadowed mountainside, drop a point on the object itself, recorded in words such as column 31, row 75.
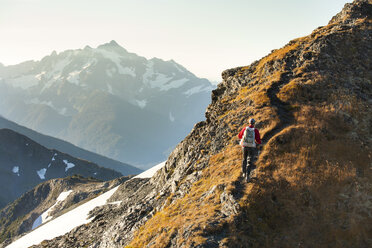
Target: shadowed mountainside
column 66, row 147
column 25, row 163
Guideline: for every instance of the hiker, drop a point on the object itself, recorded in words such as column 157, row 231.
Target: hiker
column 249, row 139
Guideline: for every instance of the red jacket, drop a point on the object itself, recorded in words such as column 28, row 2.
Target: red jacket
column 256, row 134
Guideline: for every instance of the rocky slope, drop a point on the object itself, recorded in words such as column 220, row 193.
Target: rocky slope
column 47, row 198
column 312, row 186
column 66, row 147
column 25, row 163
column 106, row 100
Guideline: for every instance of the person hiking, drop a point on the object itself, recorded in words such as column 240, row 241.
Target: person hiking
column 249, row 139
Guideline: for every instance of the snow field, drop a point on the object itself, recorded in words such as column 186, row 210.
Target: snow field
column 44, row 217
column 74, row 218
column 150, row 172
column 63, row 223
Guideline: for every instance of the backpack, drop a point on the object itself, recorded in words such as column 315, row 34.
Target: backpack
column 249, row 137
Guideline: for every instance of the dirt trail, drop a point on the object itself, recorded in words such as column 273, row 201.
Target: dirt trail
column 282, row 108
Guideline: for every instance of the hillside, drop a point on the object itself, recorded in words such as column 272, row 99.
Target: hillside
column 312, row 100
column 25, row 163
column 106, row 100
column 312, row 186
column 47, row 201
column 66, row 147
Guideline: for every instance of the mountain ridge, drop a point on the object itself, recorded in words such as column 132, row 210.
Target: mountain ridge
column 63, row 146
column 22, row 215
column 58, row 96
column 25, row 163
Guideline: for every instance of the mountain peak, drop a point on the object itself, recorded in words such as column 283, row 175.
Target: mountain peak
column 87, row 47
column 358, row 9
column 113, row 45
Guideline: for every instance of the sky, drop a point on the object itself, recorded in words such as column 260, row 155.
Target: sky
column 205, row 36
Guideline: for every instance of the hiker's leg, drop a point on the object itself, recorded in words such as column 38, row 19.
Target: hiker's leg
column 250, row 160
column 244, row 160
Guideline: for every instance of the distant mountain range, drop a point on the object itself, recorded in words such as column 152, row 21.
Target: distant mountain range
column 25, row 163
column 66, row 147
column 106, row 100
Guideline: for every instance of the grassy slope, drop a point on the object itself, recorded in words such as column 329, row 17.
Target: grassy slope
column 313, row 179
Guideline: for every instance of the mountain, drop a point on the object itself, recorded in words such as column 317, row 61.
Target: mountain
column 312, row 185
column 71, row 208
column 66, row 147
column 47, row 201
column 25, row 163
column 106, row 100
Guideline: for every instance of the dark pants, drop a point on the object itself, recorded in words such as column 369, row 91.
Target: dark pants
column 249, row 157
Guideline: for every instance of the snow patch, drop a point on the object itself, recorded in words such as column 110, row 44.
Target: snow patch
column 41, row 173
column 39, row 76
column 63, row 223
column 15, row 170
column 68, row 165
column 56, row 73
column 142, row 103
column 44, row 217
column 150, row 172
column 117, row 59
column 58, row 68
column 175, row 84
column 171, row 117
column 161, row 81
column 110, row 88
column 197, row 89
column 74, row 77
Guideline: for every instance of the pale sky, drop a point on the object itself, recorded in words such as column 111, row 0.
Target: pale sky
column 205, row 36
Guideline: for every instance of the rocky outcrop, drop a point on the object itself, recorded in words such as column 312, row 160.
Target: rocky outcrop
column 21, row 215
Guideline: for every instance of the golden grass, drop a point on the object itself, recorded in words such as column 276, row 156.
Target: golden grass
column 195, row 210
column 314, row 177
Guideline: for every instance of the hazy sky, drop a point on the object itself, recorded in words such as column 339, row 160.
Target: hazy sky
column 205, row 36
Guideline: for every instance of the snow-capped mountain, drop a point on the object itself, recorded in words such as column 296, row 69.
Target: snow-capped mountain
column 25, row 163
column 106, row 100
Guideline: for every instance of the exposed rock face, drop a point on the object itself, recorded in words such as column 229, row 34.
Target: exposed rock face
column 21, row 215
column 25, row 163
column 312, row 102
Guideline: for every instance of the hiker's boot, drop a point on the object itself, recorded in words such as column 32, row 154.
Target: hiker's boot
column 247, row 177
